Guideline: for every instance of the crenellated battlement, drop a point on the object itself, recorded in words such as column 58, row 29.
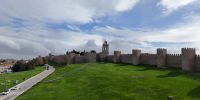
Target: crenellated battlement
column 188, row 60
column 136, row 52
column 197, row 56
column 147, row 54
column 197, row 62
column 161, row 57
column 193, row 49
column 197, row 59
column 188, row 51
column 174, row 55
column 161, row 51
column 117, row 52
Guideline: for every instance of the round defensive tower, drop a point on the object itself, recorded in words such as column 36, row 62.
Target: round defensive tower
column 136, row 56
column 117, row 57
column 188, row 59
column 161, row 57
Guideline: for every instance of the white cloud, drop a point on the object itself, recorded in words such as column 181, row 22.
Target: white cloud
column 185, row 34
column 37, row 40
column 71, row 11
column 172, row 5
column 124, row 5
column 30, row 42
column 89, row 45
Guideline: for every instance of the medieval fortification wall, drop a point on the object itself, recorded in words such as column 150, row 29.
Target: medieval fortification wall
column 188, row 60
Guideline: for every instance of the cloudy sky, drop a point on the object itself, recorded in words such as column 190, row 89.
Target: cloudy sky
column 29, row 28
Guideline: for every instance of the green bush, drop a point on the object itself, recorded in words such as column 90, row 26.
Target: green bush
column 22, row 65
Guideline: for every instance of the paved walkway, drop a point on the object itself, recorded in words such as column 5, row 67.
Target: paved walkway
column 24, row 86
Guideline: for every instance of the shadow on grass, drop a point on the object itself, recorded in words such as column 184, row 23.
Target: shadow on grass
column 146, row 67
column 171, row 74
column 195, row 93
column 118, row 64
column 122, row 64
column 175, row 73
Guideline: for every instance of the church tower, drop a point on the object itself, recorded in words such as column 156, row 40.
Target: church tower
column 105, row 48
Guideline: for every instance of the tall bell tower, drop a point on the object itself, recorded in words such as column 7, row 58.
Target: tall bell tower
column 105, row 48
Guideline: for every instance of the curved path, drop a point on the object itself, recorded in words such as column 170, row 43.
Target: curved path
column 24, row 86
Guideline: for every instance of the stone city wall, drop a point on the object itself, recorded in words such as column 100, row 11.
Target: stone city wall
column 197, row 62
column 126, row 58
column 109, row 58
column 173, row 60
column 188, row 60
column 149, row 59
column 61, row 59
column 74, row 58
column 80, row 59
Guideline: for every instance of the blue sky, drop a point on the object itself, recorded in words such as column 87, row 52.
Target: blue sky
column 29, row 28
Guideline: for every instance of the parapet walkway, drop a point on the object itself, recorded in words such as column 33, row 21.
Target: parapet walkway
column 24, row 86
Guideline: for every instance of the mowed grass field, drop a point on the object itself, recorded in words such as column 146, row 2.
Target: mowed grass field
column 8, row 80
column 98, row 81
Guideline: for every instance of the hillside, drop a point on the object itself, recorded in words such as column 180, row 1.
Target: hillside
column 99, row 81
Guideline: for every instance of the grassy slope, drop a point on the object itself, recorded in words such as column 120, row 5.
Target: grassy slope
column 20, row 76
column 115, row 82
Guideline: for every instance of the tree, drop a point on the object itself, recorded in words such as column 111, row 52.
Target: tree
column 92, row 51
column 45, row 60
column 82, row 53
column 39, row 61
column 19, row 66
column 30, row 65
column 22, row 65
column 76, row 52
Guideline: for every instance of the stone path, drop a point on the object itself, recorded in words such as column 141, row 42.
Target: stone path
column 24, row 86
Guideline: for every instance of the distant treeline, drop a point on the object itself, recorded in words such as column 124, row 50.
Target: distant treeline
column 23, row 65
column 80, row 52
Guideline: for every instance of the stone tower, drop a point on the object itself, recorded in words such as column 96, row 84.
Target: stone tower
column 188, row 58
column 117, row 57
column 161, row 57
column 105, row 48
column 136, row 56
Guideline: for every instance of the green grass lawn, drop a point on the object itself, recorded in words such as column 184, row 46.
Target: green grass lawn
column 20, row 76
column 115, row 82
